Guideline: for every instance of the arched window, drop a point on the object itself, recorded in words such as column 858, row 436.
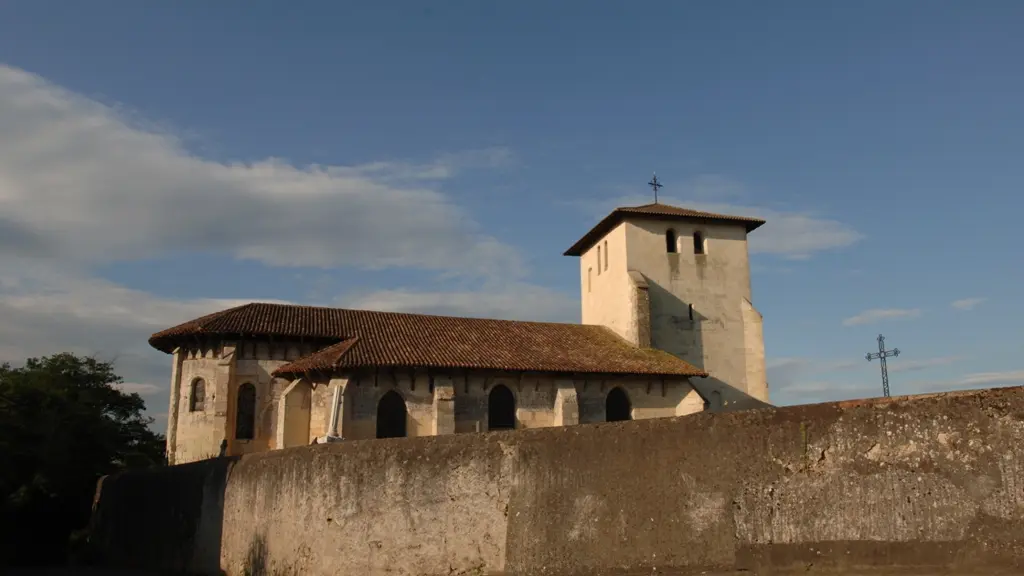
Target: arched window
column 617, row 406
column 670, row 241
column 501, row 409
column 391, row 416
column 245, row 420
column 598, row 260
column 606, row 255
column 589, row 279
column 698, row 243
column 197, row 396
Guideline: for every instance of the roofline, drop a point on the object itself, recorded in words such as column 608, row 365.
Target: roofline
column 283, row 371
column 164, row 339
column 619, row 215
column 166, row 344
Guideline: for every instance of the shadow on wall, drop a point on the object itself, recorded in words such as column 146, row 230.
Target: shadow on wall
column 256, row 558
column 722, row 397
column 170, row 517
column 670, row 314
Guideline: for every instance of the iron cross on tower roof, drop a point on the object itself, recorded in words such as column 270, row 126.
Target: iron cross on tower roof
column 655, row 185
column 882, row 354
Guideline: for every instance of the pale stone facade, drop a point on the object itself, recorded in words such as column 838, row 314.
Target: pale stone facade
column 697, row 307
column 679, row 285
column 295, row 413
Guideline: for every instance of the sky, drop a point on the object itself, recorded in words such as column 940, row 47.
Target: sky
column 162, row 160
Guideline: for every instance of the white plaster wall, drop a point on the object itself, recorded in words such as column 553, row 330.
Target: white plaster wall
column 716, row 283
column 606, row 302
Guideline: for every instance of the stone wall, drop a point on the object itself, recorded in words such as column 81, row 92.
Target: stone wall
column 927, row 482
column 290, row 414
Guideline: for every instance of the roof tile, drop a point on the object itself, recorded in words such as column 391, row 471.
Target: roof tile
column 380, row 339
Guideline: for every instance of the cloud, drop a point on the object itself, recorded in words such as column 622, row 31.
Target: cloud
column 969, row 381
column 86, row 183
column 804, row 380
column 44, row 312
column 879, row 314
column 902, row 365
column 795, row 235
column 967, row 303
column 83, row 183
column 139, row 388
column 990, row 378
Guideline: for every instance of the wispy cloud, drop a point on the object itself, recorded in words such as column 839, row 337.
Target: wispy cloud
column 967, row 303
column 140, row 388
column 87, row 183
column 879, row 314
column 904, row 365
column 802, row 380
column 989, row 378
column 83, row 183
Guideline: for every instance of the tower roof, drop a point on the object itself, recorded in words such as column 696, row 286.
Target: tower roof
column 654, row 212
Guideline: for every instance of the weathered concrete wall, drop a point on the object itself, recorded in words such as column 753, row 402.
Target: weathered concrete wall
column 928, row 482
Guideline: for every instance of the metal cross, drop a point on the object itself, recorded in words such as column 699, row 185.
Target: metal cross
column 655, row 184
column 882, row 354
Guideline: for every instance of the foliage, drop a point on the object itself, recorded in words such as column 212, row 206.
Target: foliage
column 64, row 423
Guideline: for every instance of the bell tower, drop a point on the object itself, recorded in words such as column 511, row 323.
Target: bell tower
column 677, row 280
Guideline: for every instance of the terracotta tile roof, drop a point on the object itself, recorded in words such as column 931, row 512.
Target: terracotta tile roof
column 658, row 211
column 323, row 360
column 369, row 338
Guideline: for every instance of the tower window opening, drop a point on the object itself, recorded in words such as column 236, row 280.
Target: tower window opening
column 197, row 397
column 698, row 243
column 589, row 274
column 690, row 310
column 598, row 260
column 606, row 255
column 670, row 241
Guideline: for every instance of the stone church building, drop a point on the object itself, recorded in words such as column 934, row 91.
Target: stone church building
column 668, row 328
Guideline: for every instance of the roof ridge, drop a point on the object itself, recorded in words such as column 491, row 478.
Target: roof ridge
column 198, row 322
column 406, row 314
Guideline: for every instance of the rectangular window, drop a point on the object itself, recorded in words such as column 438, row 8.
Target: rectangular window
column 589, row 270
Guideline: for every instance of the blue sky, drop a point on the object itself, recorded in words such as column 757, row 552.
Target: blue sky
column 159, row 160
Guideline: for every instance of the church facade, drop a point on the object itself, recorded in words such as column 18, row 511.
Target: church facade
column 668, row 328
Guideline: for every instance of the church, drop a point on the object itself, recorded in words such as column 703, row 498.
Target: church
column 668, row 328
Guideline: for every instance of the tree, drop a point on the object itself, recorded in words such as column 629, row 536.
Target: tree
column 64, row 423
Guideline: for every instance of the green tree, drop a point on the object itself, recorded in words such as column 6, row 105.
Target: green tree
column 64, row 423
